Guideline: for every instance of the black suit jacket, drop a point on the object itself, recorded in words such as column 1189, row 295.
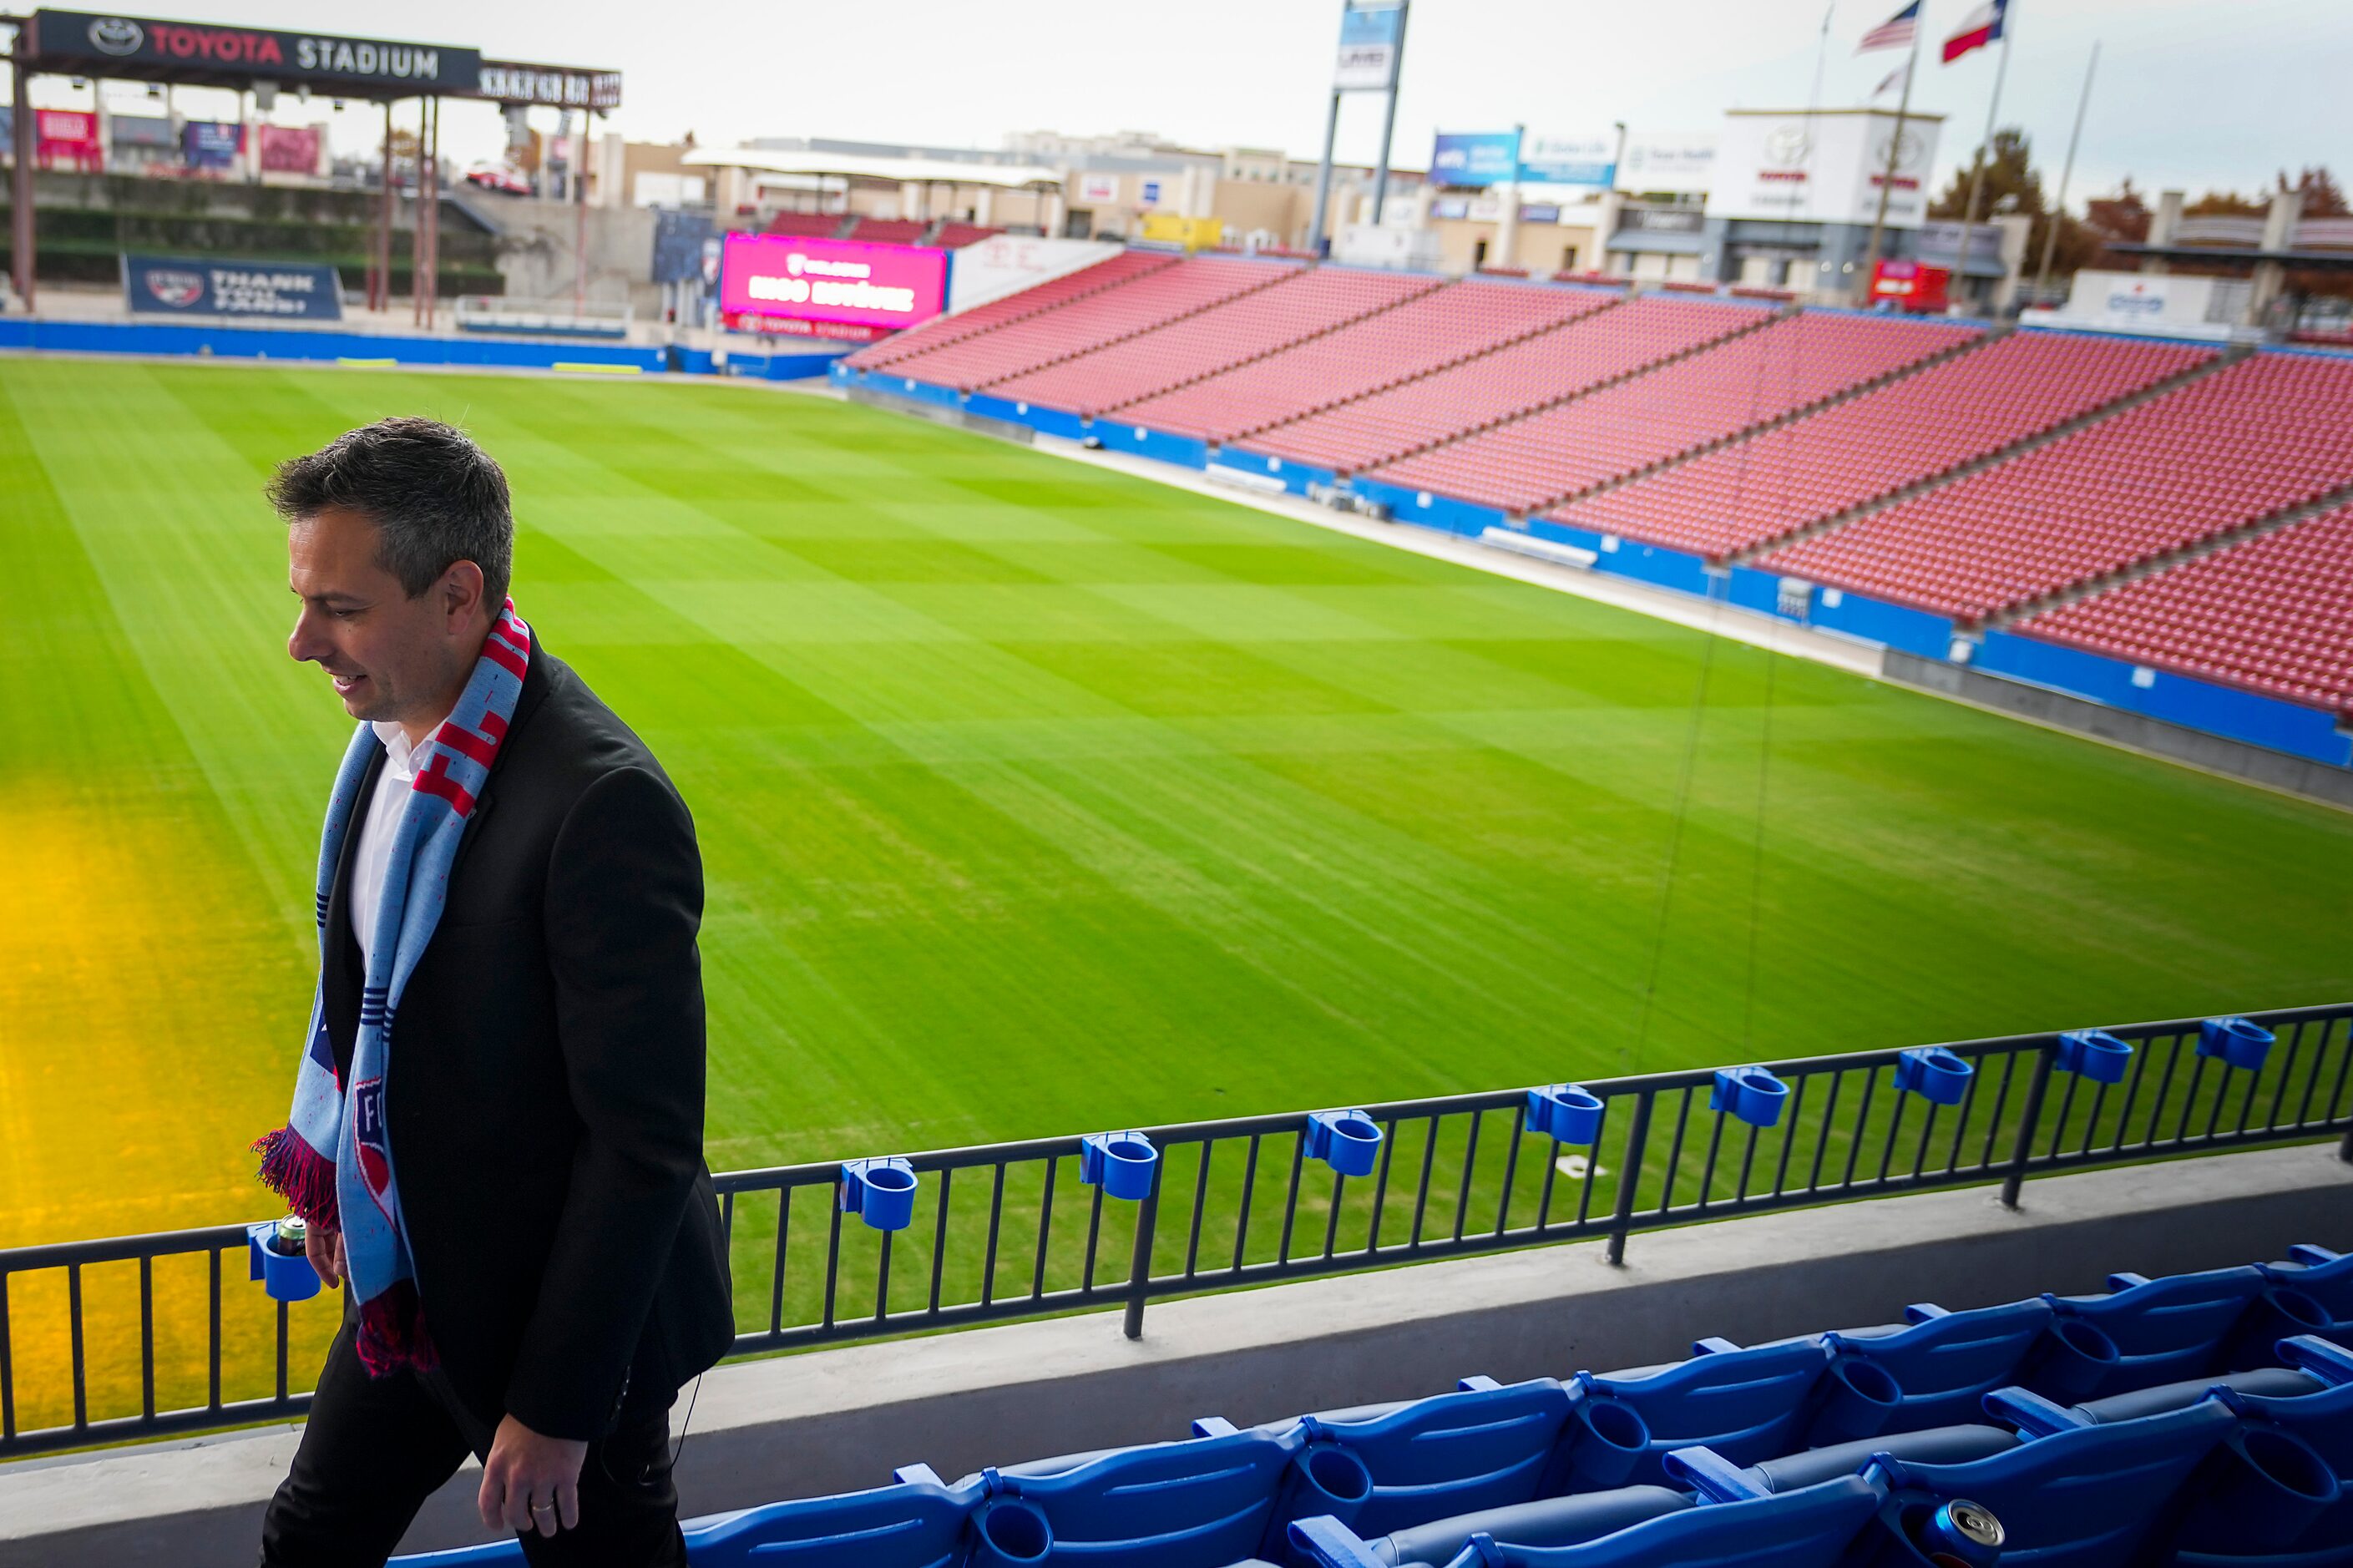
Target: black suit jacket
column 544, row 1092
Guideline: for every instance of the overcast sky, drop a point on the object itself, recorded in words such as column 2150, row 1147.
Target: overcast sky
column 2196, row 93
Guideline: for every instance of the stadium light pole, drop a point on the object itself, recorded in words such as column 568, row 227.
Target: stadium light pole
column 2066, row 173
column 1389, row 115
column 1324, row 177
column 21, row 177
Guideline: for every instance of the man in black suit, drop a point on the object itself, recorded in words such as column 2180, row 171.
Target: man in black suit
column 544, row 1092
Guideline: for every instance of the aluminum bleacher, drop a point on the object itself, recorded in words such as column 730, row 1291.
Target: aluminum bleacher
column 1121, row 267
column 2273, row 614
column 1597, row 346
column 2271, row 432
column 1855, row 452
column 1092, row 321
column 1618, row 430
column 1443, row 327
column 1302, row 306
column 2201, row 1418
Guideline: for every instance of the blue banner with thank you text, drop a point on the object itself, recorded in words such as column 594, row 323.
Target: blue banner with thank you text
column 286, row 290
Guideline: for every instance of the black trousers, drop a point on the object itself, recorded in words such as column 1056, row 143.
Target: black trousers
column 375, row 1449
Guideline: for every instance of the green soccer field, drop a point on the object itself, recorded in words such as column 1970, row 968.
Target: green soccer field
column 1033, row 798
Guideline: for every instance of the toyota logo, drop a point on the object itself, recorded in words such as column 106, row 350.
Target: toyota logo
column 116, row 36
column 1787, row 146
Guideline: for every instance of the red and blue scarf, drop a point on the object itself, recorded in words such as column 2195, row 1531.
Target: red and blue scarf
column 332, row 1161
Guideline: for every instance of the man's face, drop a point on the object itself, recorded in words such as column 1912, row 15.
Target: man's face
column 391, row 658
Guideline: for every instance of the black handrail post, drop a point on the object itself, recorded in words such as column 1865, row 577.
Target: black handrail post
column 2345, row 1150
column 1139, row 1268
column 1637, row 1138
column 2028, row 1119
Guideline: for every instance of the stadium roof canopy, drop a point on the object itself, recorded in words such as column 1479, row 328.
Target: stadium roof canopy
column 865, row 167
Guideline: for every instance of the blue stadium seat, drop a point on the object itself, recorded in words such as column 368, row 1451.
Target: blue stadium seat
column 914, row 1524
column 1812, row 1527
column 1202, row 1503
column 2270, row 1507
column 2163, row 1330
column 1945, row 1364
column 1746, row 1404
column 2081, row 1497
column 2323, row 1276
column 1485, row 1447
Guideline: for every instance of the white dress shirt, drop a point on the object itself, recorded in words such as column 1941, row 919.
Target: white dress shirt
column 376, row 830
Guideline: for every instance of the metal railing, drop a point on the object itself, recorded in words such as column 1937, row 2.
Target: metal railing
column 544, row 318
column 1010, row 1230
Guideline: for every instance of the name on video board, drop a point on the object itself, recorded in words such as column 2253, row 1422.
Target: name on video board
column 767, row 279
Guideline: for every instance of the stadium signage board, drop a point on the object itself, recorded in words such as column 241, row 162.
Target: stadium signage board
column 553, row 87
column 147, row 48
column 1672, row 166
column 1475, row 158
column 1822, row 168
column 277, row 290
column 1569, row 160
column 1372, row 35
column 800, row 278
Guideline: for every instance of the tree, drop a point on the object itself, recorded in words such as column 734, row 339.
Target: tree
column 2227, row 203
column 2323, row 196
column 2121, row 218
column 2008, row 172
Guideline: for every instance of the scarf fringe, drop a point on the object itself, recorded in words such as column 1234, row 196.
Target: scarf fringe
column 299, row 1174
column 392, row 1334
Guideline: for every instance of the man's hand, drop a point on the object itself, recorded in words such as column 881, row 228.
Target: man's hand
column 531, row 1482
column 324, row 1247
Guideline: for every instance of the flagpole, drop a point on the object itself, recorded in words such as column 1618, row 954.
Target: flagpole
column 1985, row 148
column 2051, row 233
column 1895, row 150
column 1814, row 98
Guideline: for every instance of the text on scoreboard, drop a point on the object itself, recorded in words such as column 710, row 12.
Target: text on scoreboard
column 832, row 280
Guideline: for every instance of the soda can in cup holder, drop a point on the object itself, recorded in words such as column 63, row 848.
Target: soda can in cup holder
column 277, row 1257
column 1959, row 1533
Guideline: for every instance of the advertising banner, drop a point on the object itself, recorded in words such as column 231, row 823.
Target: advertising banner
column 1371, row 34
column 290, row 148
column 211, row 144
column 1569, row 160
column 280, row 290
column 678, row 246
column 92, row 42
column 557, row 87
column 1098, row 188
column 66, row 138
column 1827, row 167
column 1474, row 157
column 1940, row 245
column 140, row 131
column 1670, row 166
column 793, row 278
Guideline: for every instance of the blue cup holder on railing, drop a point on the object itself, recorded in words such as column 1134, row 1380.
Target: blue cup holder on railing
column 1935, row 1075
column 1010, row 1533
column 1347, row 1141
column 1565, row 1112
column 2093, row 1055
column 284, row 1276
column 880, row 1192
column 1608, row 1438
column 1861, row 1397
column 1752, row 1094
column 2235, row 1042
column 1123, row 1165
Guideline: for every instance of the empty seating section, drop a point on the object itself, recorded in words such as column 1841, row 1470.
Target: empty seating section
column 1304, row 304
column 1091, row 321
column 1618, row 430
column 1119, row 267
column 1860, row 450
column 2273, row 614
column 2230, row 447
column 809, row 226
column 1599, row 346
column 2200, row 1419
column 1438, row 328
column 888, row 230
column 956, row 235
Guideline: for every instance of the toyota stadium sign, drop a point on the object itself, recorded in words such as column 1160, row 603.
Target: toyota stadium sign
column 792, row 279
column 156, row 49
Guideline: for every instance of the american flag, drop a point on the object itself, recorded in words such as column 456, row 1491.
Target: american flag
column 1895, row 33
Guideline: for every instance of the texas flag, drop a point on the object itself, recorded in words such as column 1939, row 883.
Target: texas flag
column 1981, row 26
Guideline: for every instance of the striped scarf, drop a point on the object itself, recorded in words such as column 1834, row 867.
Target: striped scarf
column 332, row 1161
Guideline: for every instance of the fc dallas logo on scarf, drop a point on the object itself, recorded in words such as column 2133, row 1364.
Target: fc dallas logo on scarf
column 334, row 1162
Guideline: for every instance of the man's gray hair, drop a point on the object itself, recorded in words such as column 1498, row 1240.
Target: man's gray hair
column 435, row 497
